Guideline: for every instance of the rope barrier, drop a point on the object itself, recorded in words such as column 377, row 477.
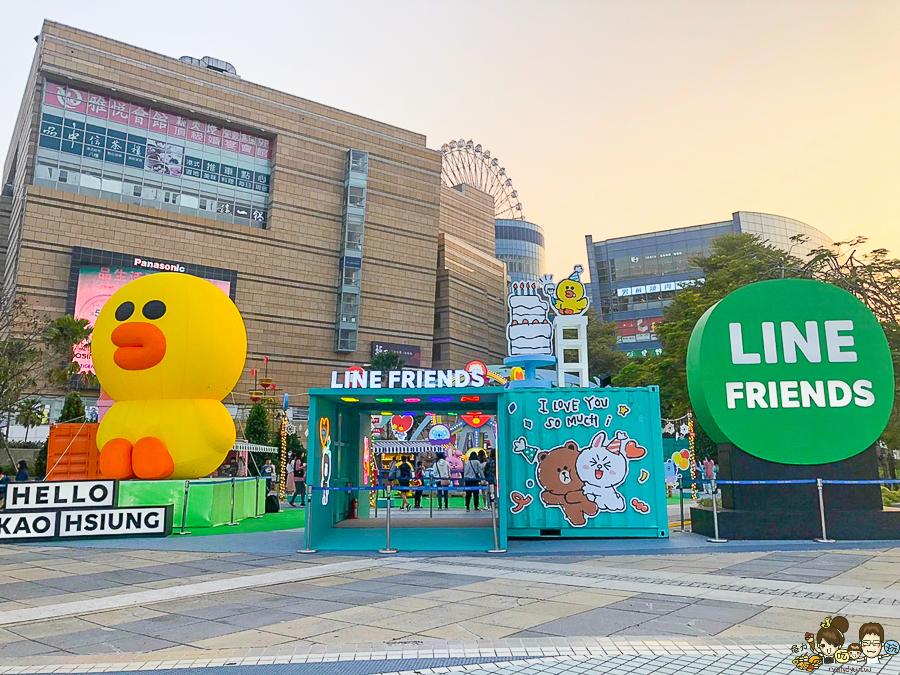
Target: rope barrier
column 395, row 488
column 882, row 481
column 799, row 481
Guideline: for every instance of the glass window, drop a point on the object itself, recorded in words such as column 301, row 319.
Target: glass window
column 190, row 200
column 91, row 179
column 357, row 197
column 149, row 156
column 112, row 184
column 359, row 161
column 45, row 172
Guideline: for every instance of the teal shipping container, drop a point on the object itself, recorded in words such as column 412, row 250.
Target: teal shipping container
column 582, row 463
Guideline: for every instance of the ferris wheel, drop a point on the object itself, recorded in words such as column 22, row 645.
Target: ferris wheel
column 465, row 162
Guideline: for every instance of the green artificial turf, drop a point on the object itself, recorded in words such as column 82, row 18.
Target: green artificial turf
column 289, row 519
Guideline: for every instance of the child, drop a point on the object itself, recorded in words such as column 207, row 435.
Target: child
column 830, row 637
column 418, row 482
column 855, row 652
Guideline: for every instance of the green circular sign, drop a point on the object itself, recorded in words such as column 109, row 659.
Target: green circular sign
column 791, row 371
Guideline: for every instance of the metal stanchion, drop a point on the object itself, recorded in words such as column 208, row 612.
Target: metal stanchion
column 306, row 527
column 232, row 504
column 681, row 499
column 824, row 539
column 387, row 550
column 256, row 512
column 184, row 507
column 431, row 498
column 496, row 548
column 715, row 539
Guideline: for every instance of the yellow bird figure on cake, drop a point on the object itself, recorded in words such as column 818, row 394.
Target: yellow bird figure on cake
column 569, row 296
column 167, row 348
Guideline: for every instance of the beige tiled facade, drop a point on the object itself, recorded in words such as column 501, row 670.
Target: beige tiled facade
column 470, row 302
column 287, row 274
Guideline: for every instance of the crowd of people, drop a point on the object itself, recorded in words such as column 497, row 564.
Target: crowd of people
column 405, row 476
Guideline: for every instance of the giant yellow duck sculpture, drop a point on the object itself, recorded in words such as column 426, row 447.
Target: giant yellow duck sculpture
column 167, row 348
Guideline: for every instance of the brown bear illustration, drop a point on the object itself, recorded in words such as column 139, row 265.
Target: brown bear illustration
column 561, row 485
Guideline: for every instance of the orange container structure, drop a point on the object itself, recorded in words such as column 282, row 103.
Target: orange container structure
column 72, row 452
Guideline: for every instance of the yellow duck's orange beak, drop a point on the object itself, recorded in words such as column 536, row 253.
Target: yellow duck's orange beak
column 570, row 293
column 140, row 346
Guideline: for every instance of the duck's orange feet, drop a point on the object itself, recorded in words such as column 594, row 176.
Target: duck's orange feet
column 115, row 460
column 151, row 460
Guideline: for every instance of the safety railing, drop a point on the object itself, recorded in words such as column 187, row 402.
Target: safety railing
column 231, row 521
column 388, row 548
column 433, row 486
column 714, row 484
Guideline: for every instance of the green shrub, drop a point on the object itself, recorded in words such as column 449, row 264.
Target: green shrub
column 73, row 409
column 706, row 502
column 40, row 464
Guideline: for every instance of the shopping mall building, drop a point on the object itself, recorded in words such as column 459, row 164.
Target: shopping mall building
column 331, row 232
column 634, row 278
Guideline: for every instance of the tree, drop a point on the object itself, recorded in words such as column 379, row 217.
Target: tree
column 29, row 413
column 603, row 358
column 73, row 409
column 35, row 352
column 257, row 429
column 40, row 463
column 60, row 336
column 735, row 260
column 385, row 362
column 874, row 278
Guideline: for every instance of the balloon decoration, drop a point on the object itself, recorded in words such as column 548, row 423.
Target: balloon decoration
column 167, row 348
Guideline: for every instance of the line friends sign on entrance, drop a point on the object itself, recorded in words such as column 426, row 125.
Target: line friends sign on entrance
column 406, row 379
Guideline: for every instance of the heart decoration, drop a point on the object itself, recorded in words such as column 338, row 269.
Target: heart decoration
column 401, row 423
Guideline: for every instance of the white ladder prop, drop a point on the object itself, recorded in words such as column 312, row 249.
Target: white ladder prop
column 561, row 323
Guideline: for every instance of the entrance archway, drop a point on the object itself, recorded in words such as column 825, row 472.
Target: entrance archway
column 340, row 471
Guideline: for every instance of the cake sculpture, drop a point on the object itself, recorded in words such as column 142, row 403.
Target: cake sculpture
column 529, row 331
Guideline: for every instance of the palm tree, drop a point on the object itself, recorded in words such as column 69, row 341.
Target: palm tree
column 29, row 413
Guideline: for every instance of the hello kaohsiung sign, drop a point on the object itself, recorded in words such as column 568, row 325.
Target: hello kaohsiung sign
column 792, row 371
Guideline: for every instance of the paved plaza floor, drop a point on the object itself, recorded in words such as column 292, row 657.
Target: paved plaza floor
column 80, row 609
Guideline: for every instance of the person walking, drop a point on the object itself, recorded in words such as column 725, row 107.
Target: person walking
column 290, row 486
column 268, row 472
column 442, row 475
column 404, row 477
column 418, row 482
column 490, row 474
column 22, row 476
column 299, row 481
column 4, row 481
column 473, row 474
column 709, row 473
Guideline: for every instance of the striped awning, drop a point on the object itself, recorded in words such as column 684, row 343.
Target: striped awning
column 401, row 447
column 253, row 447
